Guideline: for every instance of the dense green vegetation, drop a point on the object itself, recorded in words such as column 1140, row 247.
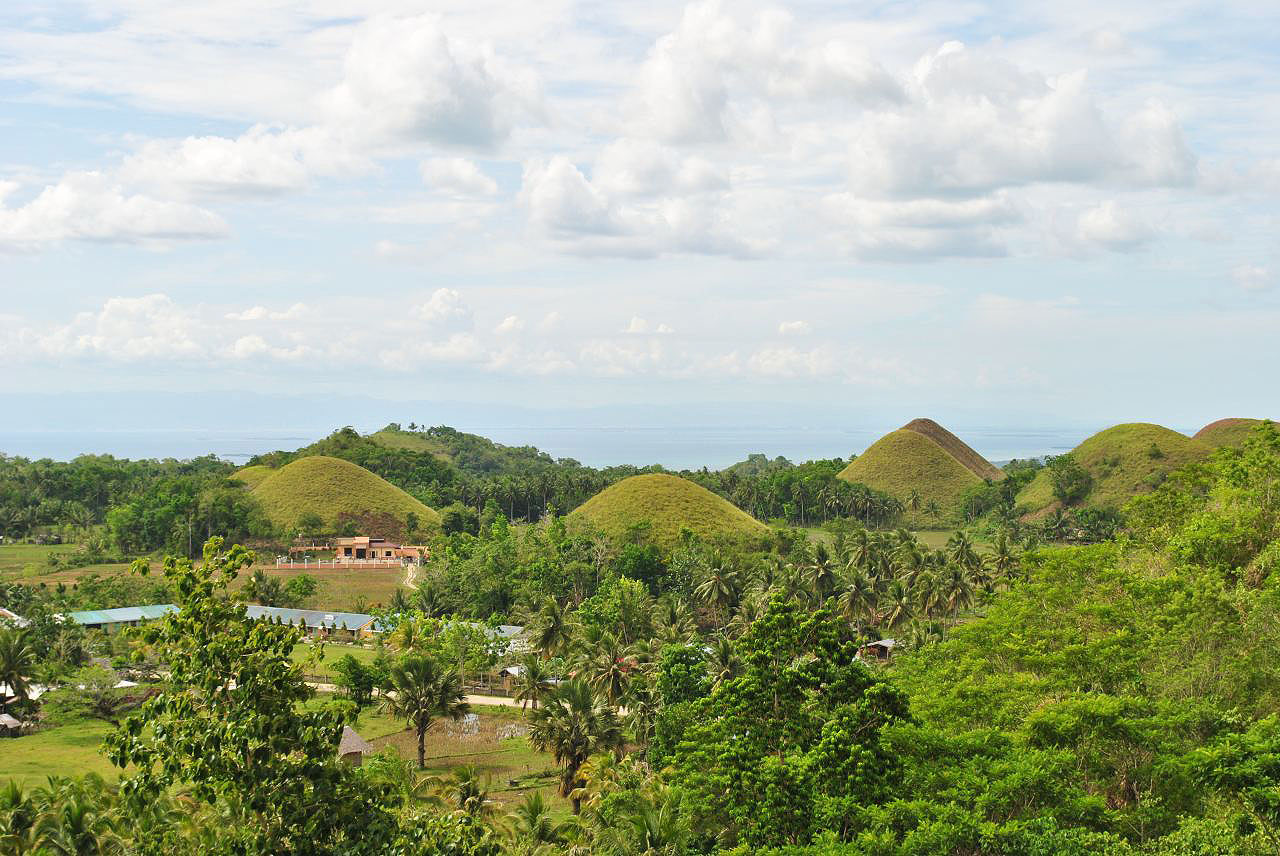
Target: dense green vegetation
column 697, row 698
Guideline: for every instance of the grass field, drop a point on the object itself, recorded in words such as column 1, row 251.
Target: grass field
column 254, row 475
column 342, row 588
column 667, row 503
column 907, row 460
column 73, row 748
column 30, row 563
column 321, row 671
column 1124, row 461
column 330, row 486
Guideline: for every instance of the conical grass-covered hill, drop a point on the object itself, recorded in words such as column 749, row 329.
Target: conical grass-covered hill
column 330, row 487
column 1226, row 432
column 1123, row 461
column 667, row 504
column 924, row 457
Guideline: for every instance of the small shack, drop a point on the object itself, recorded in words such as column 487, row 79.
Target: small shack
column 880, row 650
column 352, row 747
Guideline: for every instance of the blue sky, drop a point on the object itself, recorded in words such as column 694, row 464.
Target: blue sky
column 1031, row 212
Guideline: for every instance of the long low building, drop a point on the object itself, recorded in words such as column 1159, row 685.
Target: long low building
column 316, row 621
column 109, row 620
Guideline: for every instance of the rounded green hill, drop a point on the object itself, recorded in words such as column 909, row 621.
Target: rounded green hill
column 330, row 487
column 1226, row 432
column 667, row 504
column 907, row 460
column 253, row 476
column 1124, row 461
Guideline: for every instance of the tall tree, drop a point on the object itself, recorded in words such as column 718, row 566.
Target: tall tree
column 422, row 691
column 573, row 725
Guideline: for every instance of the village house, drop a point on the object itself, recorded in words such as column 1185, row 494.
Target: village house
column 367, row 547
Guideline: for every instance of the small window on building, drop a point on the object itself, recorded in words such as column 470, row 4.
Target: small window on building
column 346, row 551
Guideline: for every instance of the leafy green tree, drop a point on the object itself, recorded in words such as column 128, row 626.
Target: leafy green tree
column 356, row 679
column 229, row 725
column 794, row 744
column 420, row 691
column 1071, row 482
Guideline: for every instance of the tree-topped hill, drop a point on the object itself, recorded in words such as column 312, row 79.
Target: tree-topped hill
column 470, row 453
column 1226, row 432
column 1112, row 467
column 666, row 504
column 922, row 464
column 331, row 487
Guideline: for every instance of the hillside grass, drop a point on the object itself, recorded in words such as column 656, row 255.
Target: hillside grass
column 907, row 460
column 1123, row 464
column 1226, row 432
column 957, row 448
column 412, row 441
column 29, row 563
column 253, row 476
column 667, row 503
column 340, row 588
column 331, row 486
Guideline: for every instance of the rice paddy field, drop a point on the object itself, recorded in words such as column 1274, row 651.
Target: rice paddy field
column 493, row 742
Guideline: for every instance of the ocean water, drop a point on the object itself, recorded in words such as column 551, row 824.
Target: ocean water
column 673, row 446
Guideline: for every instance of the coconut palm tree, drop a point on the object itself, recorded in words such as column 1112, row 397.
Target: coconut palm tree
column 532, row 682
column 608, row 666
column 723, row 663
column 573, row 725
column 673, row 620
column 822, row 573
column 896, row 605
column 719, row 590
column 858, row 598
column 552, row 632
column 958, row 587
column 17, row 659
column 421, row 692
column 76, row 819
column 960, row 551
column 1003, row 558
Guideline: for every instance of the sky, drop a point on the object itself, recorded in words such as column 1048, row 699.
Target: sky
column 1007, row 214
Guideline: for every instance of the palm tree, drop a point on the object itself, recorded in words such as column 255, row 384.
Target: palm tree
column 896, row 605
column 76, row 819
column 608, row 666
column 553, row 633
column 858, row 600
column 822, row 573
column 573, row 725
column 534, row 828
column 914, row 500
column 17, row 658
column 463, row 791
column 654, row 827
column 532, row 682
column 1003, row 559
column 958, row 586
column 723, row 663
column 421, row 692
column 720, row 588
column 673, row 620
column 960, row 550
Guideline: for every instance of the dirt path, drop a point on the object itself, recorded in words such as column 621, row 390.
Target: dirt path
column 411, row 576
column 496, row 701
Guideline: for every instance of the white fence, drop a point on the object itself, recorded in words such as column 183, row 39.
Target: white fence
column 288, row 563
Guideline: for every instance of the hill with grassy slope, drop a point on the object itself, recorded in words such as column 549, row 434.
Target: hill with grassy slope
column 1226, row 432
column 667, row 503
column 252, row 476
column 470, row 453
column 1123, row 461
column 957, row 448
column 923, row 457
column 330, row 487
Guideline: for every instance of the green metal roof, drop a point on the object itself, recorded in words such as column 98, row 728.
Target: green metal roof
column 121, row 615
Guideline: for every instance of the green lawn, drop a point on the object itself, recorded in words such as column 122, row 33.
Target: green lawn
column 322, row 670
column 30, row 563
column 67, row 750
